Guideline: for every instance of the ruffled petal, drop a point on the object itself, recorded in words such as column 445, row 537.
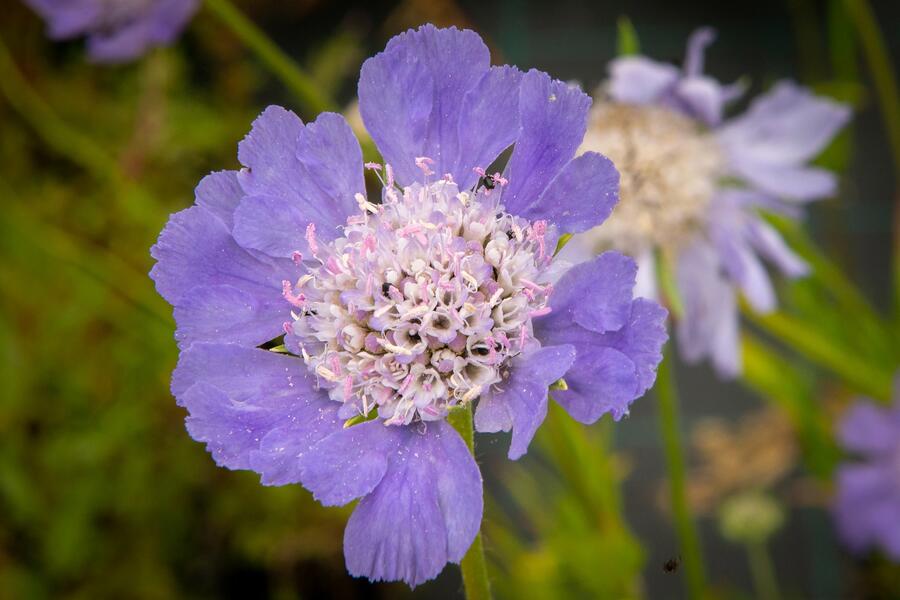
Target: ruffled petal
column 412, row 94
column 604, row 380
column 349, row 463
column 580, row 197
column 196, row 249
column 237, row 397
column 639, row 80
column 709, row 325
column 523, row 397
column 220, row 193
column 595, row 294
column 226, row 314
column 425, row 512
column 791, row 183
column 311, row 173
column 769, row 243
column 488, row 123
column 553, row 118
column 611, row 369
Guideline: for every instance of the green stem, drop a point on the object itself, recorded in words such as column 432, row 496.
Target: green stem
column 667, row 395
column 762, row 571
column 878, row 59
column 281, row 65
column 820, row 349
column 473, row 565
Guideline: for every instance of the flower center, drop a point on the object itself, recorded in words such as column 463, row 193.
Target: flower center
column 419, row 305
column 669, row 169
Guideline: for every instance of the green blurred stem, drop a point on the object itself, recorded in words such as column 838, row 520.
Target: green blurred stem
column 473, row 565
column 52, row 130
column 666, row 393
column 762, row 571
column 809, row 342
column 878, row 59
column 303, row 87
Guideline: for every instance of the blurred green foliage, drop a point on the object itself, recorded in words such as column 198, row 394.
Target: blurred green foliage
column 102, row 492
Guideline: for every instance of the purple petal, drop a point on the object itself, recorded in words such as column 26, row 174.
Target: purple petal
column 596, row 294
column 769, row 243
column 867, row 507
column 580, row 197
column 67, row 19
column 702, row 97
column 238, row 397
column 781, row 131
column 349, row 464
column 870, row 430
column 553, row 121
column 411, row 96
column 231, row 430
column 489, row 122
column 524, row 394
column 226, row 314
column 639, row 80
column 220, row 193
column 611, row 369
column 696, row 48
column 425, row 512
column 603, row 380
column 709, row 326
column 312, row 171
column 196, row 249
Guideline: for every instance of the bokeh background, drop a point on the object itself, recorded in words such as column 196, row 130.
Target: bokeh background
column 104, row 495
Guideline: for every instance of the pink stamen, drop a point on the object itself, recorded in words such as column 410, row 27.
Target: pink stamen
column 287, row 290
column 521, row 338
column 479, row 171
column 297, row 257
column 448, row 177
column 389, row 175
column 540, row 312
column 372, row 166
column 348, row 388
column 423, row 163
column 288, row 327
column 499, row 179
column 335, row 364
column 537, row 233
column 311, row 239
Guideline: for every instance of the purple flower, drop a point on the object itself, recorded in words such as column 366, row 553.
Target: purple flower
column 692, row 185
column 116, row 30
column 396, row 310
column 867, row 505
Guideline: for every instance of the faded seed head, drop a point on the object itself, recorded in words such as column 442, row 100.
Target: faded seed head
column 421, row 303
column 669, row 168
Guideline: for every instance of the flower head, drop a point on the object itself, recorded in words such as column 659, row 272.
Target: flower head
column 116, row 30
column 441, row 293
column 867, row 505
column 692, row 185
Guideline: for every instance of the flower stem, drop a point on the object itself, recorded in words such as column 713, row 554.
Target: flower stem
column 762, row 571
column 473, row 565
column 667, row 395
column 280, row 64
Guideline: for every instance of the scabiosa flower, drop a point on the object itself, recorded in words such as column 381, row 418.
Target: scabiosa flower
column 867, row 505
column 440, row 294
column 116, row 30
column 691, row 187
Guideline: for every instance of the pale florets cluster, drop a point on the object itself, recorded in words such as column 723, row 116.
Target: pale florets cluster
column 421, row 302
column 669, row 169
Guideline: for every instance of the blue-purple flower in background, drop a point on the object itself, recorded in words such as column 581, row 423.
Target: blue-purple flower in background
column 692, row 185
column 116, row 30
column 440, row 294
column 867, row 504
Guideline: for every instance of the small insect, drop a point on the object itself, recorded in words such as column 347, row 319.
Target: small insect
column 487, row 182
column 671, row 565
column 385, row 288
